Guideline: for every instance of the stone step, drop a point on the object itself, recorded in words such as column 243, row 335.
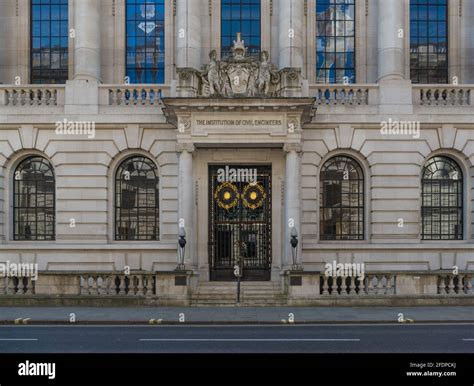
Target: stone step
column 251, row 289
column 242, row 285
column 227, row 289
column 234, row 295
column 230, row 289
column 242, row 299
column 258, row 294
column 200, row 297
column 241, row 304
column 252, row 298
column 245, row 283
column 206, row 300
column 227, row 295
column 260, row 289
column 280, row 303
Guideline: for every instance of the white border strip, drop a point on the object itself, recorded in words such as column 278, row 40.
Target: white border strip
column 248, row 340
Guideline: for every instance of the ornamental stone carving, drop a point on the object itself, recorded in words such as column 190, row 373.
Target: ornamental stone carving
column 290, row 147
column 184, row 124
column 293, row 124
column 239, row 75
column 185, row 146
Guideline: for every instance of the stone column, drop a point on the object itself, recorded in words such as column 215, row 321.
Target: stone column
column 188, row 33
column 14, row 42
column 391, row 47
column 8, row 46
column 290, row 35
column 467, row 37
column 87, row 40
column 186, row 198
column 292, row 199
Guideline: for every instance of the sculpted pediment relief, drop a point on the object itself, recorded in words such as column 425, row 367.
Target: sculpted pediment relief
column 239, row 75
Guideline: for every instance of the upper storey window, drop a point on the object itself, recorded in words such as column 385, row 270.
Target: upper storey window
column 335, row 52
column 429, row 41
column 49, row 41
column 146, row 41
column 240, row 16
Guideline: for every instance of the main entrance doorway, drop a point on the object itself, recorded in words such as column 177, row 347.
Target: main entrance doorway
column 240, row 221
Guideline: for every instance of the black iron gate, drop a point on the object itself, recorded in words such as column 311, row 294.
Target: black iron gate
column 240, row 221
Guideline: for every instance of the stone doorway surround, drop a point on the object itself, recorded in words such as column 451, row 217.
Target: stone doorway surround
column 238, row 130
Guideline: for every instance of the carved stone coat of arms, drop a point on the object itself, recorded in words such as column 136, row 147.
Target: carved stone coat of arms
column 239, row 75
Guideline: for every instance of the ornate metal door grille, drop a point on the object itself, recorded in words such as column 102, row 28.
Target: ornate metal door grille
column 240, row 223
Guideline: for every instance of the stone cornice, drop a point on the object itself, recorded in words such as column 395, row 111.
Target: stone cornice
column 303, row 107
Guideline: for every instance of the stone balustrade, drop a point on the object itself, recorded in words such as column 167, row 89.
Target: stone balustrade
column 372, row 284
column 109, row 284
column 151, row 95
column 17, row 286
column 461, row 284
column 175, row 288
column 342, row 95
column 133, row 95
column 435, row 95
column 32, row 95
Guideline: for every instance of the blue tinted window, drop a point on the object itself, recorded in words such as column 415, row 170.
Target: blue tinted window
column 429, row 41
column 49, row 41
column 335, row 52
column 146, row 41
column 240, row 16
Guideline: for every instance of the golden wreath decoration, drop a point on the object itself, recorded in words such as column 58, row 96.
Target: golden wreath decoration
column 226, row 195
column 253, row 196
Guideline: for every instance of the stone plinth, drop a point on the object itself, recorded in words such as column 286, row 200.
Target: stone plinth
column 417, row 284
column 188, row 82
column 291, row 83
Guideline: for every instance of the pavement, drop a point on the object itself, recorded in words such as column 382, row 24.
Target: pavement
column 235, row 315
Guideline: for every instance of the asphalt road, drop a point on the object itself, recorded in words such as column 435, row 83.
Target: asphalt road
column 387, row 338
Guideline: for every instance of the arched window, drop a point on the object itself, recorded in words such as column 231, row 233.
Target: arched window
column 137, row 200
column 341, row 200
column 442, row 200
column 33, row 200
column 240, row 16
column 146, row 41
column 49, row 41
column 335, row 48
column 429, row 41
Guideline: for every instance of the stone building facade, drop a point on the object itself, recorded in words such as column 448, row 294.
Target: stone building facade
column 342, row 167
